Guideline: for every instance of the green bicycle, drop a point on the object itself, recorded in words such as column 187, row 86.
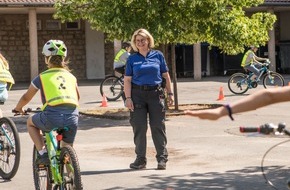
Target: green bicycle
column 63, row 172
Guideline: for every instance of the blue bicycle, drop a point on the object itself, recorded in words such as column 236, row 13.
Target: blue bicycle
column 239, row 83
column 9, row 148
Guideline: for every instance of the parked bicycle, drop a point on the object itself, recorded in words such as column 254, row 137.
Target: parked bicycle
column 9, row 148
column 63, row 171
column 113, row 87
column 269, row 129
column 239, row 83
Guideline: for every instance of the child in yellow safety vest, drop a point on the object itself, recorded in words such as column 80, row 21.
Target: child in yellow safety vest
column 121, row 57
column 59, row 95
column 251, row 62
column 5, row 77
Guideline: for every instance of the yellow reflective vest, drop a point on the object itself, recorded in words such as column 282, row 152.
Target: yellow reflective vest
column 245, row 60
column 5, row 74
column 59, row 87
column 119, row 54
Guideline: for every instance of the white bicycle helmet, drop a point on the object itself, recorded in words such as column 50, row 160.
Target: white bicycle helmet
column 254, row 46
column 54, row 47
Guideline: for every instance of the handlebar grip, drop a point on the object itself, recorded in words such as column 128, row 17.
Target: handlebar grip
column 287, row 132
column 249, row 129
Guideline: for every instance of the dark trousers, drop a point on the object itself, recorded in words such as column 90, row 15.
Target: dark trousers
column 148, row 104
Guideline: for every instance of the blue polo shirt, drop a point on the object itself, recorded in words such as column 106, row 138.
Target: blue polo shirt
column 146, row 70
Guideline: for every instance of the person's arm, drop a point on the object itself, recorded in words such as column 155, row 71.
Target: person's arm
column 257, row 59
column 168, row 88
column 127, row 91
column 26, row 97
column 257, row 100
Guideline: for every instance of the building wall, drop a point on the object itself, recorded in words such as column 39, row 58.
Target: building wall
column 14, row 45
column 284, row 26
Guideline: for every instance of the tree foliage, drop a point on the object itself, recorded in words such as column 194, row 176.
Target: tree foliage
column 221, row 23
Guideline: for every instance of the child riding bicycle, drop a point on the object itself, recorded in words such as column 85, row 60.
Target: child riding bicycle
column 121, row 58
column 5, row 77
column 59, row 95
column 251, row 62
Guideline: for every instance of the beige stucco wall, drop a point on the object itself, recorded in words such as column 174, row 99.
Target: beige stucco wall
column 95, row 53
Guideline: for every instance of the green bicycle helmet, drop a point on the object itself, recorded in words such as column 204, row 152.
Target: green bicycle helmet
column 54, row 47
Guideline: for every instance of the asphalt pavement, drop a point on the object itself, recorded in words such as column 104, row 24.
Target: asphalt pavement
column 202, row 154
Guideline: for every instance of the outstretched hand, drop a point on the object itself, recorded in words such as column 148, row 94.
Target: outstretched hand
column 209, row 114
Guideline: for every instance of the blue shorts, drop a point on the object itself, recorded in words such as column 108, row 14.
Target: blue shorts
column 3, row 92
column 49, row 120
column 3, row 95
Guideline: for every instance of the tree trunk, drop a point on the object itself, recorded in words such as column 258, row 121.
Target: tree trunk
column 174, row 79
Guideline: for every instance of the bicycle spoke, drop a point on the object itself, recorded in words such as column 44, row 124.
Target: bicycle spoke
column 70, row 170
column 273, row 80
column 112, row 87
column 237, row 83
column 9, row 148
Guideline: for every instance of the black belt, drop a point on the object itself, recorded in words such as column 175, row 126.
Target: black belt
column 145, row 87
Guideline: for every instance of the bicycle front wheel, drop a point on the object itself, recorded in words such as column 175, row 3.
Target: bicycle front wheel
column 9, row 148
column 112, row 87
column 273, row 80
column 238, row 84
column 41, row 174
column 70, row 169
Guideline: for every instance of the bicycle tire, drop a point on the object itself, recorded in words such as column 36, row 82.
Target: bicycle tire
column 9, row 156
column 238, row 84
column 273, row 80
column 41, row 175
column 68, row 162
column 112, row 87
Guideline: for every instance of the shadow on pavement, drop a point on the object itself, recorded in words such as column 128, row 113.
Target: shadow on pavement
column 247, row 178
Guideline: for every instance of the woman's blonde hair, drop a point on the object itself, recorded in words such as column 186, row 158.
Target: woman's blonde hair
column 142, row 32
column 4, row 61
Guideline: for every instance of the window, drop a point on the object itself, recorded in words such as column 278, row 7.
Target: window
column 53, row 25
column 73, row 25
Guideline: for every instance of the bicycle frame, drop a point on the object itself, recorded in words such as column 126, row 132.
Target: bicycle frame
column 8, row 138
column 262, row 71
column 53, row 149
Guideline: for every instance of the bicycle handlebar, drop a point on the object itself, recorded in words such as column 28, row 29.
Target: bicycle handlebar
column 267, row 128
column 249, row 129
column 26, row 111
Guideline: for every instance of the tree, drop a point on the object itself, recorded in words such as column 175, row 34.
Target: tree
column 221, row 23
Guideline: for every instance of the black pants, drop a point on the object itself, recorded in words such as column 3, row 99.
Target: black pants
column 148, row 104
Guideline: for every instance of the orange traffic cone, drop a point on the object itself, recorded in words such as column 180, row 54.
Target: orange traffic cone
column 221, row 94
column 104, row 101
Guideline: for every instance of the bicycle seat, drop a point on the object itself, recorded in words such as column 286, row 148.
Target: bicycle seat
column 61, row 130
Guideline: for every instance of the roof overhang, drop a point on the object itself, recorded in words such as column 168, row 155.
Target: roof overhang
column 23, row 6
column 27, row 3
column 25, row 10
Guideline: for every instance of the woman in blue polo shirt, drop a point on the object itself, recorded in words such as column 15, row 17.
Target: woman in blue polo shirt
column 145, row 97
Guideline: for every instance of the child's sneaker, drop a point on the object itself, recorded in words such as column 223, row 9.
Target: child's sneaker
column 42, row 159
